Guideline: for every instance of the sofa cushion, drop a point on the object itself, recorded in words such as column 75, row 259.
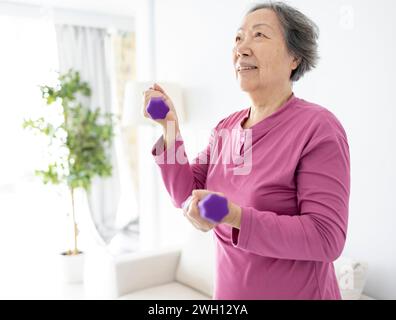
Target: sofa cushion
column 169, row 291
column 351, row 276
column 196, row 263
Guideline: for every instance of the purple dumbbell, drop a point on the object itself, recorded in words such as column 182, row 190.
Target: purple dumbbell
column 157, row 108
column 212, row 208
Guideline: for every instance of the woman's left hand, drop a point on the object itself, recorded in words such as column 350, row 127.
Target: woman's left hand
column 192, row 212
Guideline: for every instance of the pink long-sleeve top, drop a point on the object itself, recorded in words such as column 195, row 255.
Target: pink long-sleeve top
column 290, row 174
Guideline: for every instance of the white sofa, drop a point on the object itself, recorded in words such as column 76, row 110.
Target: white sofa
column 174, row 273
column 187, row 273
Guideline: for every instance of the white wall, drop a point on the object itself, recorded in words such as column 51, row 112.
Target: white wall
column 354, row 80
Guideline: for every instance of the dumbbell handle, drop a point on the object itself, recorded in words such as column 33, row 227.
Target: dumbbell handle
column 212, row 208
column 157, row 108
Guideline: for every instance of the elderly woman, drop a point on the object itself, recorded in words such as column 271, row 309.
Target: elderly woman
column 288, row 211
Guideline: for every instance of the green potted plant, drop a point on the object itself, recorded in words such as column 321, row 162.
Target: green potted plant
column 80, row 139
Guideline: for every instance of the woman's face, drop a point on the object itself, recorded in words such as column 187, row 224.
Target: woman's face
column 260, row 56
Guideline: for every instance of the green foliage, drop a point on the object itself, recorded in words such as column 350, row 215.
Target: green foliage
column 85, row 134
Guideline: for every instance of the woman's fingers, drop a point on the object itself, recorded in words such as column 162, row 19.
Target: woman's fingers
column 202, row 193
column 148, row 94
column 201, row 227
column 186, row 204
column 159, row 88
column 193, row 215
column 193, row 211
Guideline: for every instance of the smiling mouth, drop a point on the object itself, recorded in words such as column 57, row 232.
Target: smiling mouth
column 241, row 69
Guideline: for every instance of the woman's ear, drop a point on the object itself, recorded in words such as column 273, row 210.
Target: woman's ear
column 295, row 63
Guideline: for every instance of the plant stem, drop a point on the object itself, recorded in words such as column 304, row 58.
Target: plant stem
column 74, row 222
column 75, row 229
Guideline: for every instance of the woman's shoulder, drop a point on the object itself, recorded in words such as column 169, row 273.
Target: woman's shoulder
column 233, row 119
column 319, row 119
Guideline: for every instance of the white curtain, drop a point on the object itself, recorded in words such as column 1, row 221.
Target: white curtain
column 88, row 50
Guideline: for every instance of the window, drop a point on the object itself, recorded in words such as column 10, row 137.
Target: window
column 32, row 216
column 34, row 226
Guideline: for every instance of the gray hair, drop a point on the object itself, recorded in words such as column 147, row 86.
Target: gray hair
column 300, row 34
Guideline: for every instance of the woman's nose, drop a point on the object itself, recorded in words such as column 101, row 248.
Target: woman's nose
column 240, row 54
column 242, row 50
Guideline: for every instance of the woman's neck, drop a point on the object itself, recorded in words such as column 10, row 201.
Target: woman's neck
column 263, row 104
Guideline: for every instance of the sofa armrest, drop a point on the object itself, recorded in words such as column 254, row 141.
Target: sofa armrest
column 136, row 271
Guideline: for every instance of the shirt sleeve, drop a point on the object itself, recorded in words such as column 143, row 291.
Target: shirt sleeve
column 179, row 176
column 318, row 231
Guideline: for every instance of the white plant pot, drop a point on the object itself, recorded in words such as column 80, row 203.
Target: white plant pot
column 73, row 267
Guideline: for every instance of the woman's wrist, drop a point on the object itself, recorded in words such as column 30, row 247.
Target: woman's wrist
column 170, row 133
column 233, row 219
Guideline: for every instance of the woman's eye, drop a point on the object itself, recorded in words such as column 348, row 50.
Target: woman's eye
column 237, row 38
column 259, row 34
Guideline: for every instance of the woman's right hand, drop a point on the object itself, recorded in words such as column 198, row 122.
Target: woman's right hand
column 156, row 91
